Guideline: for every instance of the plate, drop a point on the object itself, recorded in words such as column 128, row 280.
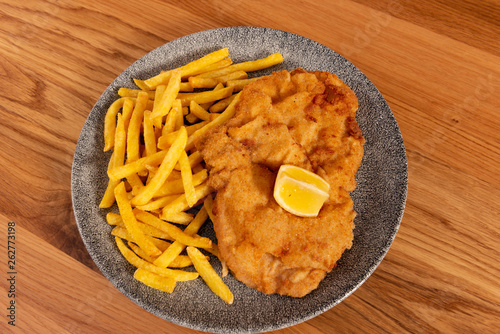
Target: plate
column 379, row 197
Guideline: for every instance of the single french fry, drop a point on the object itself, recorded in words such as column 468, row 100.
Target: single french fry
column 134, row 127
column 114, row 219
column 117, row 160
column 182, row 218
column 179, row 116
column 209, row 275
column 197, row 82
column 186, row 87
column 177, row 247
column 140, row 83
column 131, row 223
column 172, row 230
column 129, row 92
column 189, row 68
column 110, row 123
column 164, row 170
column 121, row 232
column 155, row 281
column 137, row 262
column 192, row 118
column 221, row 119
column 158, row 95
column 187, row 179
column 127, row 110
column 167, row 98
column 149, row 134
column 248, row 66
column 205, row 97
column 201, row 113
column 135, row 181
column 181, row 204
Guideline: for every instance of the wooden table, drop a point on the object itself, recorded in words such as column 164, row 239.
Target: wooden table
column 437, row 63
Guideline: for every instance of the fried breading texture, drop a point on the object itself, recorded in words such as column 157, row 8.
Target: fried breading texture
column 301, row 118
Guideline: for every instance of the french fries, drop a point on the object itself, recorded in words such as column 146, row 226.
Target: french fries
column 155, row 173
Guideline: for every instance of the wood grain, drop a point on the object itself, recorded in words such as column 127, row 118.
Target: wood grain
column 437, row 63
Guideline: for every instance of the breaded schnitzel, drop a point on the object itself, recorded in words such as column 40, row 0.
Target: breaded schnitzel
column 300, row 118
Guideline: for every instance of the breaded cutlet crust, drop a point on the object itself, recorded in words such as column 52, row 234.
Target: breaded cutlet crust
column 307, row 119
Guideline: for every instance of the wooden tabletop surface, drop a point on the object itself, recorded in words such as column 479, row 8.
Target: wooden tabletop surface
column 437, row 63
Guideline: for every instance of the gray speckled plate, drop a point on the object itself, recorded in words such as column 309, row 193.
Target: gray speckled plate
column 379, row 198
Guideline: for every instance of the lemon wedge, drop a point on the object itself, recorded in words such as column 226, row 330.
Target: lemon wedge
column 300, row 191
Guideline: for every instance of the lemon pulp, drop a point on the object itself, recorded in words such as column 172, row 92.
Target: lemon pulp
column 300, row 191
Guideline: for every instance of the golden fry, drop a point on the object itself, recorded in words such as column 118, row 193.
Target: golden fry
column 187, row 179
column 197, row 82
column 110, row 123
column 207, row 272
column 114, row 219
column 181, row 218
column 149, row 134
column 141, row 84
column 134, row 127
column 116, row 160
column 198, row 110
